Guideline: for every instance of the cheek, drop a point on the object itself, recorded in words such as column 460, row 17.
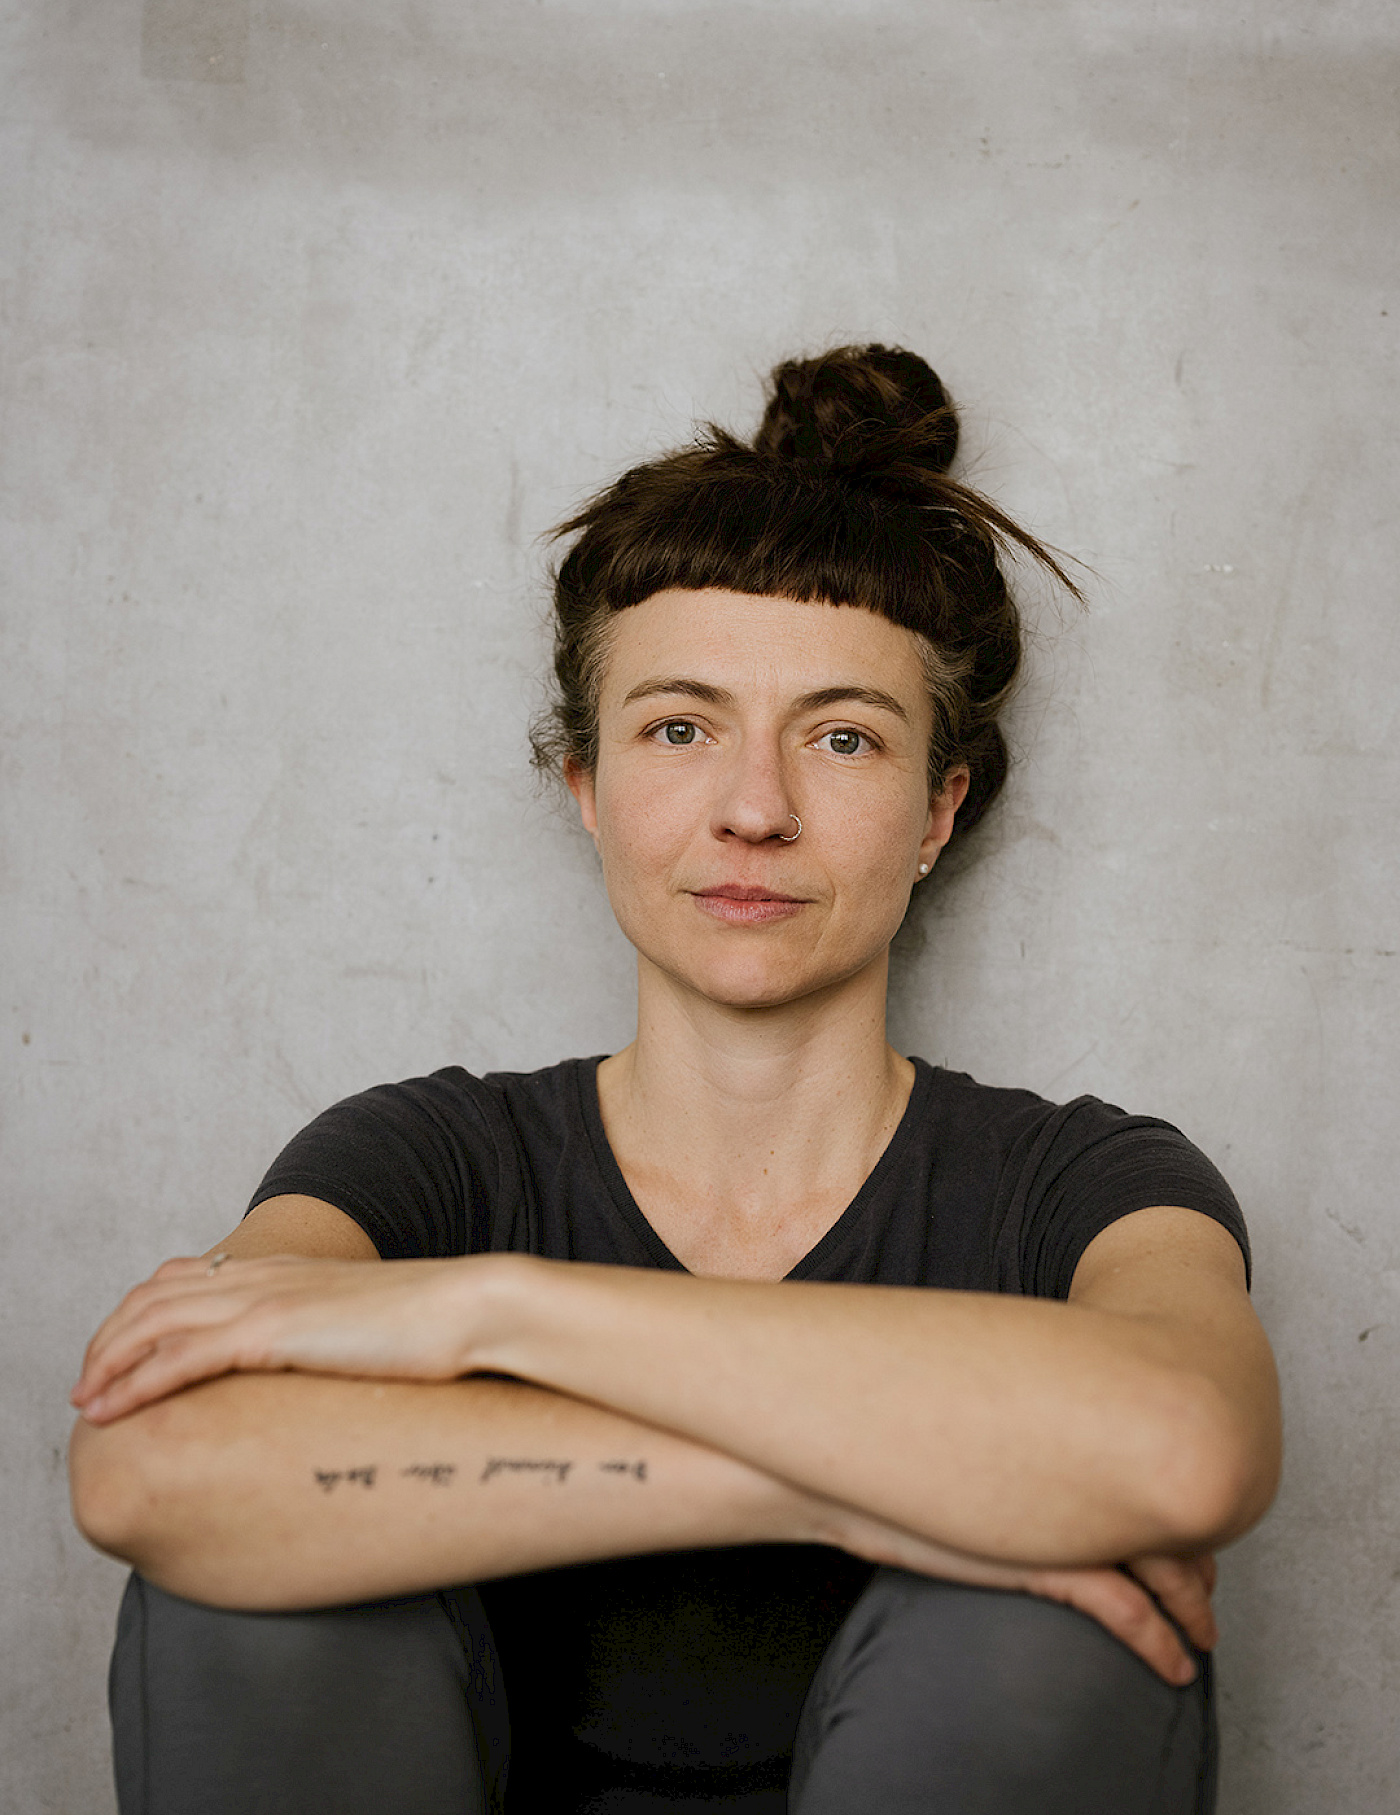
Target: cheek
column 883, row 837
column 879, row 857
column 638, row 829
column 875, row 877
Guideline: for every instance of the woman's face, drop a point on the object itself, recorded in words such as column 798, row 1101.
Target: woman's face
column 725, row 718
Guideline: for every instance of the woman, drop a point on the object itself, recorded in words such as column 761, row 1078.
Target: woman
column 826, row 1431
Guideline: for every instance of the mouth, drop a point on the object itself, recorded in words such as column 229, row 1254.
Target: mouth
column 744, row 904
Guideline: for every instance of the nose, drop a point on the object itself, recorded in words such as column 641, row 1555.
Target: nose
column 754, row 801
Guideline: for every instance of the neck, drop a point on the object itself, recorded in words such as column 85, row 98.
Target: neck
column 750, row 1112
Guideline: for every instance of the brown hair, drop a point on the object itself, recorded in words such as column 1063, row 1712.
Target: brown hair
column 843, row 497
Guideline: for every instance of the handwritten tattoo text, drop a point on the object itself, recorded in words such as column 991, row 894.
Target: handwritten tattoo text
column 555, row 1470
column 637, row 1470
column 523, row 1465
column 438, row 1473
column 328, row 1478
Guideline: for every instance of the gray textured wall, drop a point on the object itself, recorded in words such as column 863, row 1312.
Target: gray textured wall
column 316, row 314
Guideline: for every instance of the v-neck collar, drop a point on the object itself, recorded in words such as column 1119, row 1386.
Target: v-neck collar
column 591, row 1115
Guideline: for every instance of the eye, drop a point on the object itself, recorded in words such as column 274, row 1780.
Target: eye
column 678, row 732
column 845, row 742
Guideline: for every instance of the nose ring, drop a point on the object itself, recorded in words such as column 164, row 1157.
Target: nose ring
column 784, row 838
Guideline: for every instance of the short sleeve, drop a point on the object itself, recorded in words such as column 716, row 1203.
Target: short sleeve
column 416, row 1165
column 1085, row 1167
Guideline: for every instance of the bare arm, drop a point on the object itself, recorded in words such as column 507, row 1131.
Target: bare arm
column 273, row 1491
column 269, row 1492
column 208, row 1490
column 264, row 1490
column 1142, row 1416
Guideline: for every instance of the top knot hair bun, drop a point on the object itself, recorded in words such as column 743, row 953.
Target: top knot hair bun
column 857, row 404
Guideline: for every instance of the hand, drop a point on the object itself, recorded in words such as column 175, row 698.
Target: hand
column 401, row 1320
column 1182, row 1586
column 1132, row 1602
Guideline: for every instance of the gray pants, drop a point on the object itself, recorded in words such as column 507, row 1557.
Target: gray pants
column 932, row 1699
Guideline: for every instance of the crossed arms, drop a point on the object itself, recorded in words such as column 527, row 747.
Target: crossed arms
column 310, row 1425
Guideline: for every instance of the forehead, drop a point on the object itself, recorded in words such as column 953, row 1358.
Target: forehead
column 760, row 644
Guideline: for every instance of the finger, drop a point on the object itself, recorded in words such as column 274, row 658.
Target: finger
column 129, row 1334
column 1124, row 1608
column 172, row 1276
column 156, row 1375
column 1137, row 1620
column 158, row 1320
column 180, row 1291
column 130, row 1305
column 179, row 1360
column 1180, row 1585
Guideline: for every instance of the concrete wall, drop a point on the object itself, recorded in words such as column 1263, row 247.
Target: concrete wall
column 316, row 314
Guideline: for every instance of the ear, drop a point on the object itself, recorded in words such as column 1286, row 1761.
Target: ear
column 580, row 782
column 942, row 810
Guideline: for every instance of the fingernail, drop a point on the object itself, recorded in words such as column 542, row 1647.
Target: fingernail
column 1185, row 1672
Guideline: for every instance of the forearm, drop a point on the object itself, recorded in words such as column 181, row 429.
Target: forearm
column 346, row 1458
column 270, row 1492
column 1015, row 1429
column 1141, row 1419
column 290, row 1490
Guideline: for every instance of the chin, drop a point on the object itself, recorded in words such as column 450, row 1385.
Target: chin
column 774, row 997
column 755, row 968
column 758, row 986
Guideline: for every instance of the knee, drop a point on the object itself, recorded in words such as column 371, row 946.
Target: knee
column 189, row 1652
column 936, row 1684
column 1043, row 1667
column 381, row 1706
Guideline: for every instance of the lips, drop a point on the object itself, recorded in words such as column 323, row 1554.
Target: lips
column 746, row 904
column 735, row 891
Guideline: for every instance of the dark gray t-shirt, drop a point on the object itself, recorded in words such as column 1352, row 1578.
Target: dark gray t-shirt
column 684, row 1673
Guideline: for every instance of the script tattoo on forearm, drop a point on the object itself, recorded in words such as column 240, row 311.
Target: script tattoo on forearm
column 438, row 1474
column 637, row 1470
column 557, row 1472
column 442, row 1474
column 328, row 1478
column 526, row 1465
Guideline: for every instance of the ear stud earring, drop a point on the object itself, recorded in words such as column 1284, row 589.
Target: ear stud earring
column 923, row 869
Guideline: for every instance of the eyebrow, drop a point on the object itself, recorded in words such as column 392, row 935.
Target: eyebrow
column 710, row 695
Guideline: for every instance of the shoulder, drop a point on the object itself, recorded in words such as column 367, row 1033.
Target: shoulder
column 991, row 1122
column 456, row 1099
column 1040, row 1131
column 959, row 1098
column 424, row 1163
column 1064, row 1172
